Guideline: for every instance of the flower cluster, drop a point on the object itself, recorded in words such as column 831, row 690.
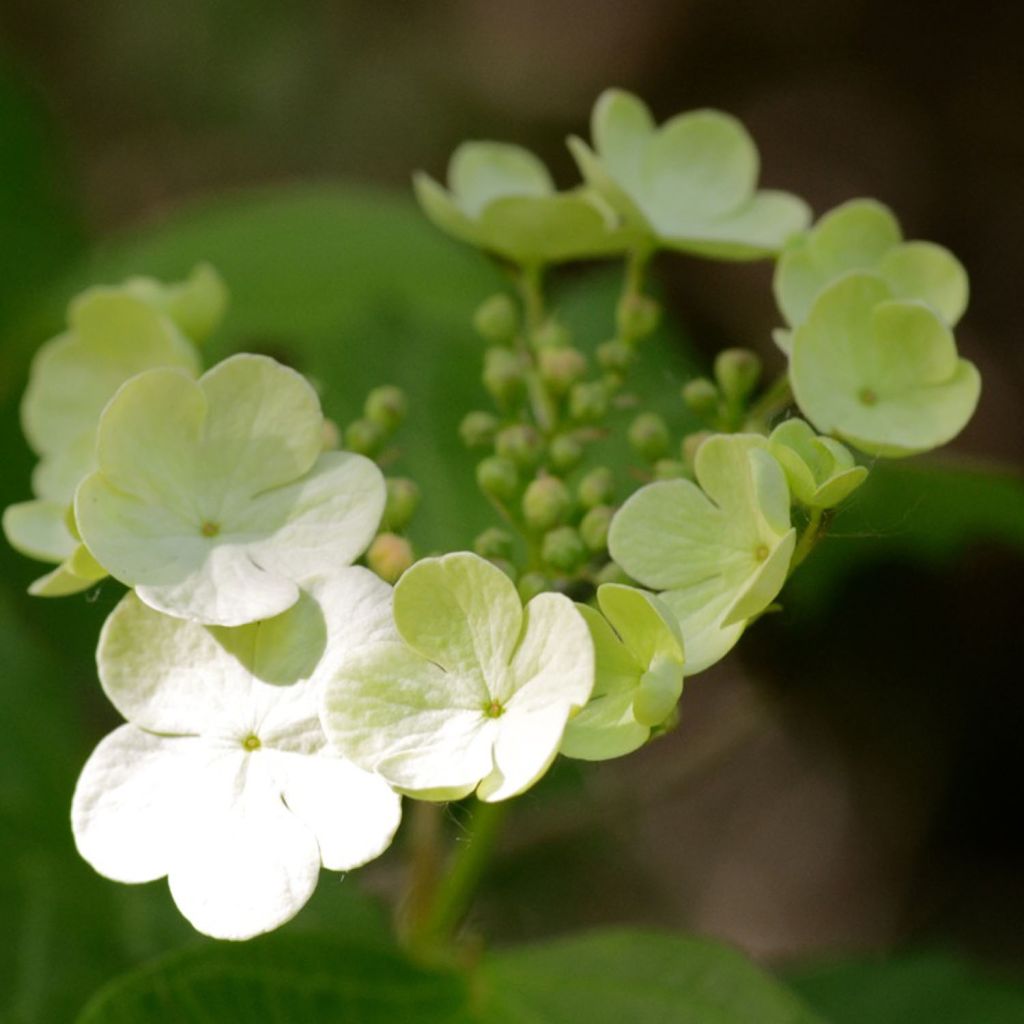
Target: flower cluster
column 280, row 699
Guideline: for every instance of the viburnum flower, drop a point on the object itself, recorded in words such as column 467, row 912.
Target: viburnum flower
column 639, row 674
column 501, row 198
column 113, row 334
column 881, row 373
column 196, row 305
column 690, row 184
column 863, row 234
column 213, row 498
column 222, row 779
column 821, row 472
column 477, row 692
column 718, row 553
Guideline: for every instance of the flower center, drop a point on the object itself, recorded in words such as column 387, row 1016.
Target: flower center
column 251, row 742
column 867, row 397
column 494, row 710
column 761, row 552
column 209, row 528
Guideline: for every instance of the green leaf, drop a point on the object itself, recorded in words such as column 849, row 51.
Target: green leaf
column 616, row 977
column 281, row 979
column 922, row 988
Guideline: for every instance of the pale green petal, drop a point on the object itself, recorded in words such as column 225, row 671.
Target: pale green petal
column 56, row 475
column 197, row 304
column 764, row 585
column 605, row 728
column 621, row 126
column 839, row 487
column 658, row 693
column 437, row 203
column 39, row 529
column 65, row 580
column 647, row 627
column 821, row 471
column 854, row 236
column 526, row 744
column 783, row 339
column 463, row 613
column 600, row 179
column 481, row 172
column 700, row 610
column 796, row 283
column 923, row 270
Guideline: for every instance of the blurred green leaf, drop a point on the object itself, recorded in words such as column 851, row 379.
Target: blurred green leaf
column 281, row 979
column 621, row 976
column 925, row 988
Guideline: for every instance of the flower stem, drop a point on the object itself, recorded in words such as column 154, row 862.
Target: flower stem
column 812, row 533
column 545, row 414
column 777, row 398
column 425, row 863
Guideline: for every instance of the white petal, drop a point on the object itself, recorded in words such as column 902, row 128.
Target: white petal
column 526, row 745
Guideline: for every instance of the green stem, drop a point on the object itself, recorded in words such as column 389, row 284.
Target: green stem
column 812, row 533
column 425, row 860
column 777, row 398
column 545, row 413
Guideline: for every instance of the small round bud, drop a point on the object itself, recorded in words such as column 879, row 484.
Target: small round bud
column 588, row 402
column 637, row 316
column 612, row 573
column 560, row 368
column 403, row 498
column 498, row 478
column 503, row 375
column 505, row 566
column 562, row 549
column 496, row 319
column 546, row 503
column 389, row 556
column 690, row 445
column 330, row 436
column 552, row 334
column 364, row 437
column 531, row 584
column 477, row 429
column 386, row 406
column 594, row 527
column 494, row 543
column 701, row 396
column 649, row 436
column 565, row 453
column 614, row 356
column 670, row 469
column 737, row 371
column 521, row 443
column 596, row 488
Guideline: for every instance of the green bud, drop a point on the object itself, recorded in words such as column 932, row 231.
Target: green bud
column 389, row 556
column 560, row 368
column 402, row 501
column 670, row 469
column 701, row 397
column 649, row 436
column 637, row 316
column 594, row 527
column 546, row 503
column 498, row 478
column 614, row 356
column 562, row 549
column 386, row 406
column 477, row 429
column 596, row 488
column 737, row 371
column 531, row 584
column 496, row 319
column 521, row 443
column 494, row 543
column 505, row 566
column 565, row 453
column 503, row 375
column 330, row 436
column 690, row 445
column 588, row 402
column 612, row 573
column 364, row 437
column 552, row 334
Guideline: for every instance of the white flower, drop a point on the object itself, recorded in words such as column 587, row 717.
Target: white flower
column 222, row 779
column 477, row 693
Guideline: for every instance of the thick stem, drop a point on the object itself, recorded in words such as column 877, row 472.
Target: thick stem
column 543, row 408
column 425, row 863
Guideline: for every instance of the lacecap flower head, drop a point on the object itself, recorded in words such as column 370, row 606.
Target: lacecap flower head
column 213, row 498
column 476, row 693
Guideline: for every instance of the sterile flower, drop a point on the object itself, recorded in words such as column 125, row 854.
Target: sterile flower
column 212, row 497
column 502, row 199
column 197, row 305
column 821, row 472
column 690, row 184
column 880, row 373
column 639, row 674
column 862, row 234
column 477, row 693
column 222, row 779
column 719, row 552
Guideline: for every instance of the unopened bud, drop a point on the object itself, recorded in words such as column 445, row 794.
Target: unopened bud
column 498, row 478
column 563, row 550
column 496, row 319
column 386, row 406
column 596, row 488
column 560, row 368
column 594, row 527
column 477, row 429
column 494, row 543
column 691, row 443
column 615, row 356
column 552, row 334
column 364, row 437
column 330, row 436
column 503, row 375
column 701, row 397
column 531, row 584
column 612, row 573
column 565, row 453
column 637, row 316
column 546, row 503
column 588, row 402
column 649, row 436
column 389, row 556
column 737, row 371
column 521, row 443
column 403, row 498
column 670, row 469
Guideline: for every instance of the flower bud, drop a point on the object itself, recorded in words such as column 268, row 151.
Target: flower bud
column 565, row 453
column 588, row 402
column 614, row 356
column 690, row 444
column 386, row 406
column 403, row 498
column 552, row 334
column 498, row 478
column 596, row 488
column 737, row 371
column 701, row 397
column 670, row 469
column 594, row 527
column 521, row 443
column 546, row 503
column 496, row 319
column 649, row 436
column 364, row 437
column 503, row 375
column 560, row 368
column 494, row 543
column 562, row 549
column 637, row 316
column 612, row 573
column 477, row 429
column 330, row 436
column 531, row 584
column 389, row 556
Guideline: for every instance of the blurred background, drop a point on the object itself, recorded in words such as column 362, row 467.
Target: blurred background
column 848, row 782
